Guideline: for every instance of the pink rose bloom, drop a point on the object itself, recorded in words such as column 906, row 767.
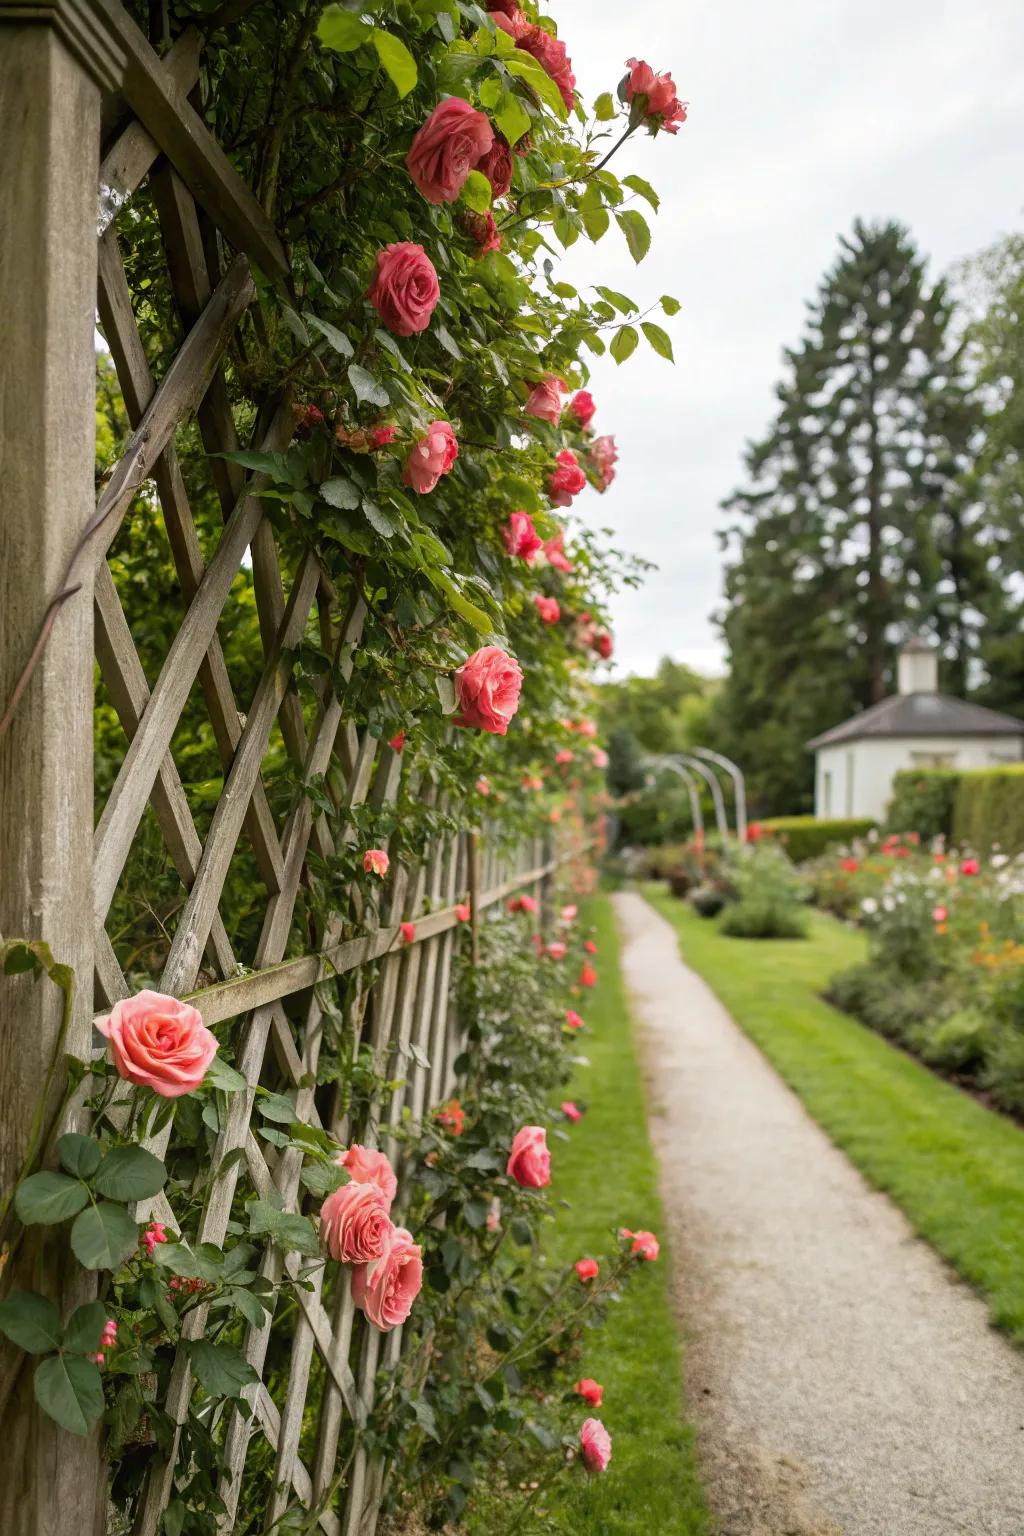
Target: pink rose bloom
column 548, row 608
column 387, row 1288
column 376, row 862
column 644, row 1245
column 482, row 230
column 566, row 479
column 483, row 786
column 508, row 16
column 381, row 436
column 599, row 757
column 564, row 756
column 521, row 537
column 496, row 165
column 397, row 742
column 462, row 912
column 533, row 782
column 159, row 1043
column 573, row 1019
column 587, row 1269
column 551, row 56
column 554, row 553
column 582, row 407
column 365, row 1165
column 405, row 290
column 970, row 867
column 568, row 914
column 354, row 1223
column 408, row 932
column 603, row 645
column 487, row 689
column 590, row 946
column 453, row 138
column 557, row 950
column 588, row 976
column 603, row 458
column 590, row 1390
column 529, row 1161
column 527, row 904
column 596, row 1445
column 545, row 399
column 653, row 98
column 570, row 1110
column 431, row 457
column 940, row 914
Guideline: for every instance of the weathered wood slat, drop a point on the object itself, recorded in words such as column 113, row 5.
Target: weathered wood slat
column 200, row 909
column 138, row 388
column 160, row 104
column 126, row 163
column 179, row 392
column 129, row 692
column 124, row 808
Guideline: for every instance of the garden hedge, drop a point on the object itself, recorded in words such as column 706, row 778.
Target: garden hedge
column 978, row 807
column 804, row 837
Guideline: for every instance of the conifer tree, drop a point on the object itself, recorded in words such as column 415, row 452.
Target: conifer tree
column 855, row 528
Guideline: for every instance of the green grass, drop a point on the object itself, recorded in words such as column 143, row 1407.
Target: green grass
column 606, row 1172
column 954, row 1167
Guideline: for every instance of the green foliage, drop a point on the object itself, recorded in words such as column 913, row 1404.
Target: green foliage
column 769, row 896
column 989, row 809
column 859, row 521
column 980, row 808
column 804, row 837
column 955, row 1168
column 923, row 801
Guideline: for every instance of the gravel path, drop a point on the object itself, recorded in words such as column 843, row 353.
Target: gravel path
column 842, row 1380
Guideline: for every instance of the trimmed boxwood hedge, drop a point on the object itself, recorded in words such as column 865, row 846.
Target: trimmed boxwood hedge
column 977, row 807
column 804, row 837
column 923, row 801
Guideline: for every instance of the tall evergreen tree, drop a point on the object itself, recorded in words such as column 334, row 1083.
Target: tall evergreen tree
column 855, row 528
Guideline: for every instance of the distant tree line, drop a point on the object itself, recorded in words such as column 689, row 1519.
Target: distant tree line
column 886, row 499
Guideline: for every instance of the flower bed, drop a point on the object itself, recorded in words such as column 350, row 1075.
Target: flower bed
column 945, row 974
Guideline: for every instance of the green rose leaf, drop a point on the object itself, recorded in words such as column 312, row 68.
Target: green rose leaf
column 638, row 235
column 644, row 189
column 341, row 492
column 384, row 523
column 103, row 1236
column 47, row 1198
column 295, row 1234
column 604, row 107
column 670, row 305
column 366, row 387
column 220, row 1075
column 275, row 1106
column 70, row 1389
column 30, row 1321
column 341, row 30
column 338, row 340
column 396, row 61
column 80, row 1155
column 130, row 1173
column 512, row 117
column 624, row 305
column 659, row 339
column 624, row 343
column 476, row 192
column 85, row 1326
column 220, row 1368
column 446, row 693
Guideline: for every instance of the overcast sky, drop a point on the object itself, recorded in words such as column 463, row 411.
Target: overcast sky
column 804, row 114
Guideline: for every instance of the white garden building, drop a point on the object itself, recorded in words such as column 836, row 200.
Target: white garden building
column 918, row 727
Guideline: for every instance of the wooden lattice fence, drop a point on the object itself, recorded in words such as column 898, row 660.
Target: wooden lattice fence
column 74, row 76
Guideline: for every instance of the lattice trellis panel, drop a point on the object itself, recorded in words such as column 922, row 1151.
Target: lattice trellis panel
column 212, row 229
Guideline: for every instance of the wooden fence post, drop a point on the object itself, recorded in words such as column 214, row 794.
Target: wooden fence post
column 55, row 59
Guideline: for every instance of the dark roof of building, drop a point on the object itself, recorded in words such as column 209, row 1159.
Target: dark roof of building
column 921, row 714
